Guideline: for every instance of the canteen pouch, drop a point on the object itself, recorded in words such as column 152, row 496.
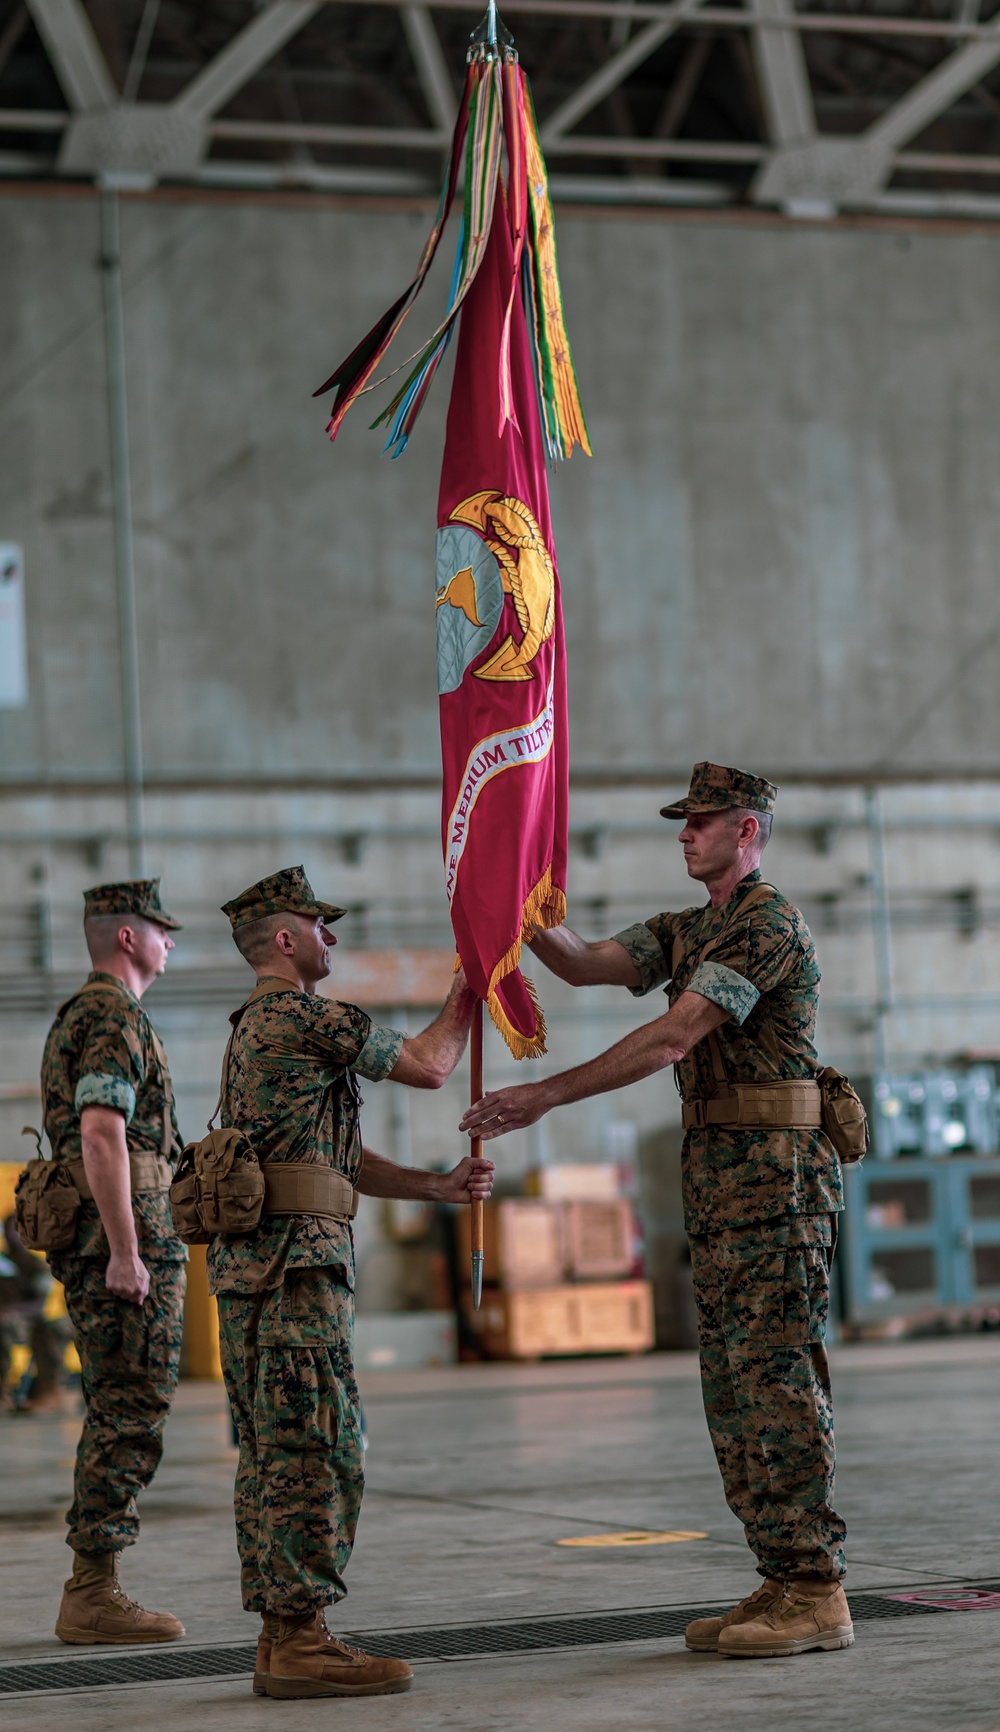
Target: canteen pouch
column 218, row 1188
column 845, row 1121
column 46, row 1203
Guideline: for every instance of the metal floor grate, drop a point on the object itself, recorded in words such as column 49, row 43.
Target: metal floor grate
column 454, row 1642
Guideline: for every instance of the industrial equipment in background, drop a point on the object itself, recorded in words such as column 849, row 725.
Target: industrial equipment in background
column 921, row 1232
column 562, row 1270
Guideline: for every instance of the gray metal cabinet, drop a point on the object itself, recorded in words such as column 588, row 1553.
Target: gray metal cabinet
column 919, row 1235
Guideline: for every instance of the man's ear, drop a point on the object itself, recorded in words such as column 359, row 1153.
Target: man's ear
column 285, row 941
column 126, row 939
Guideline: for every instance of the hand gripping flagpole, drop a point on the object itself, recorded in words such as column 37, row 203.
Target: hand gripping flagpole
column 476, row 1094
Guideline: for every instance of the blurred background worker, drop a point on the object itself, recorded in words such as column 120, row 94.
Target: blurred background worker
column 108, row 1106
column 26, row 1287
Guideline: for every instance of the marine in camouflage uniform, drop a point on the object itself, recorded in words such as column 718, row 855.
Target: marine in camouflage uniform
column 286, row 1304
column 760, row 1210
column 102, row 1051
column 286, row 1297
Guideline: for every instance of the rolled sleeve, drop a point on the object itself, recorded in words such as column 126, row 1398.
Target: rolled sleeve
column 105, row 1091
column 646, row 952
column 380, row 1053
column 732, row 991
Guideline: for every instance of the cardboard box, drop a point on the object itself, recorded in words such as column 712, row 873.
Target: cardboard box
column 597, row 1240
column 522, row 1243
column 584, row 1182
column 615, row 1317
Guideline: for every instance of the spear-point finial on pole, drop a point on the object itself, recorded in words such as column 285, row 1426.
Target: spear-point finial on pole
column 491, row 40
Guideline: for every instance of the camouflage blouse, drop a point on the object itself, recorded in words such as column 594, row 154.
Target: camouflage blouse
column 101, row 1052
column 762, row 968
column 291, row 1086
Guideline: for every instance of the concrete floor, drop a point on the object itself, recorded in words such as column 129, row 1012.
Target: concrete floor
column 475, row 1473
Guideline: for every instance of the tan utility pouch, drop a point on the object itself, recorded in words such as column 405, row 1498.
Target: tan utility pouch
column 46, row 1203
column 218, row 1188
column 221, row 1186
column 845, row 1121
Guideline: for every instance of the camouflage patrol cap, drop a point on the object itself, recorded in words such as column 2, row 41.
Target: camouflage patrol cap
column 287, row 892
column 716, row 788
column 133, row 896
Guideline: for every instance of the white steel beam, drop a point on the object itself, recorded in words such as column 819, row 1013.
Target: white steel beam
column 79, row 64
column 649, row 11
column 826, row 173
column 616, row 70
column 138, row 143
column 218, row 82
column 936, row 92
column 432, row 68
column 782, row 73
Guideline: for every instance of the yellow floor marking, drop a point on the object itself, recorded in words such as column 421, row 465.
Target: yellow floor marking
column 631, row 1539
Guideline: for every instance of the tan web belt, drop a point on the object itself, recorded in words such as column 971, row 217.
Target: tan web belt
column 149, row 1173
column 291, row 1189
column 778, row 1106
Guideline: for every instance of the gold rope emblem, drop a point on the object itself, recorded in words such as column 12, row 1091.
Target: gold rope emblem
column 526, row 573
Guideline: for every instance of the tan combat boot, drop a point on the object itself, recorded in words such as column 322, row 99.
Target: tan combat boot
column 794, row 1624
column 307, row 1661
column 270, row 1625
column 94, row 1609
column 702, row 1636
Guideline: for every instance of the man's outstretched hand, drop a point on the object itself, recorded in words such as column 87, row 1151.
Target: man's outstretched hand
column 506, row 1110
column 470, row 1179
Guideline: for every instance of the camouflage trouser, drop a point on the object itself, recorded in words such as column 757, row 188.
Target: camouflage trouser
column 763, row 1296
column 130, row 1357
column 287, row 1358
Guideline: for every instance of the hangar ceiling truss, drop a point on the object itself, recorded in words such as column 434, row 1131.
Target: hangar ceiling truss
column 833, row 105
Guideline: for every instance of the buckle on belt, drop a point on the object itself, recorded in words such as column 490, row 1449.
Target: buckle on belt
column 696, row 1117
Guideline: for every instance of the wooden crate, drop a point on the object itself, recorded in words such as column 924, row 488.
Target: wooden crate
column 522, row 1243
column 597, row 1240
column 584, row 1182
column 613, row 1317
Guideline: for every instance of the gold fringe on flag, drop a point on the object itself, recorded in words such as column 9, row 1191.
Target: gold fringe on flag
column 562, row 412
column 545, row 907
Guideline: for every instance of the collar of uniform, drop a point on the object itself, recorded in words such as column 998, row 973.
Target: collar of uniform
column 726, row 909
column 739, row 890
column 101, row 977
column 266, row 985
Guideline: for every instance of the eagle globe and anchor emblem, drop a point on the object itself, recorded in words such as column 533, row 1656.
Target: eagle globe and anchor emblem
column 490, row 547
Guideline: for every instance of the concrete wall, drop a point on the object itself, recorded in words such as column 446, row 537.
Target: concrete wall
column 784, row 550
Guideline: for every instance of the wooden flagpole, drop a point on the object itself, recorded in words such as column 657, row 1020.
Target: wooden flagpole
column 475, row 1093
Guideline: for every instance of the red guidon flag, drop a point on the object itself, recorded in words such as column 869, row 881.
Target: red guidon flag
column 501, row 656
column 500, row 653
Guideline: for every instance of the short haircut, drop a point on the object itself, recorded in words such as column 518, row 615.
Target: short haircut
column 101, row 931
column 255, row 939
column 737, row 815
